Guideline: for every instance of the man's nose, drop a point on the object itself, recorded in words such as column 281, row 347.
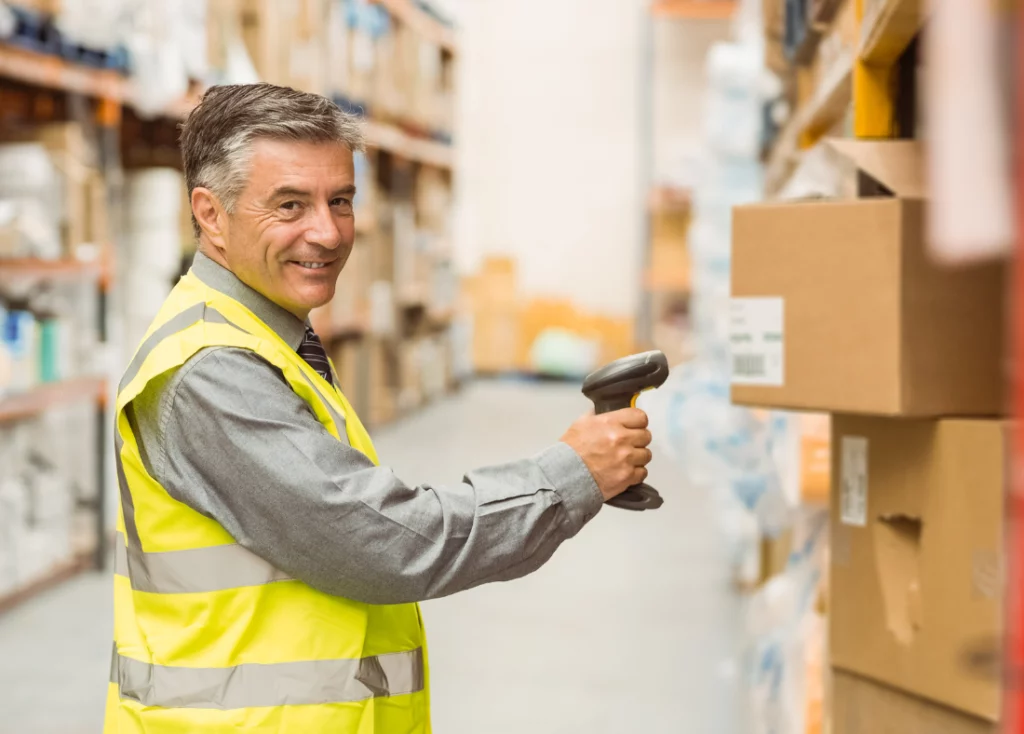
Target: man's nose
column 323, row 229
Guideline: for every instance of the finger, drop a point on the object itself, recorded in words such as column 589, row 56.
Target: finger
column 631, row 417
column 640, row 438
column 640, row 457
column 639, row 475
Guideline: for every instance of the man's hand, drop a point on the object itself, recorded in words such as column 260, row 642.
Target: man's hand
column 614, row 448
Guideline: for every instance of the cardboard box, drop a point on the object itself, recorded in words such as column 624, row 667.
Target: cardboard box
column 496, row 287
column 613, row 335
column 351, row 303
column 382, row 402
column 860, row 706
column 75, row 157
column 837, row 306
column 350, row 362
column 917, row 528
column 287, row 41
column 410, row 386
column 496, row 340
column 493, row 300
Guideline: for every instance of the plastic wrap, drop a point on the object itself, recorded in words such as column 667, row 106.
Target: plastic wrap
column 749, row 461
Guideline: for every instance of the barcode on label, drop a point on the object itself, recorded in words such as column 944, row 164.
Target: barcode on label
column 748, row 365
column 757, row 340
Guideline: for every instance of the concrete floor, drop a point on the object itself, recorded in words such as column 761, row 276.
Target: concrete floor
column 631, row 627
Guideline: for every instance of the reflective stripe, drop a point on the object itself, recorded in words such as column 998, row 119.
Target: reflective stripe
column 127, row 504
column 279, row 684
column 185, row 319
column 214, row 568
column 120, row 556
column 338, row 419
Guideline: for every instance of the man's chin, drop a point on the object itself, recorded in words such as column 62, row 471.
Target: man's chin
column 301, row 301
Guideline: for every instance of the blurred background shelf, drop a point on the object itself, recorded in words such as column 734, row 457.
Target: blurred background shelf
column 694, row 9
column 44, row 397
column 353, row 329
column 63, row 269
column 52, row 72
column 825, row 109
column 396, row 141
column 423, row 22
column 57, row 575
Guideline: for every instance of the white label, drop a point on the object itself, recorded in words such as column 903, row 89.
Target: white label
column 853, row 497
column 757, row 341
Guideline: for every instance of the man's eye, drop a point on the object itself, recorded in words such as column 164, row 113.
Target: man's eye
column 290, row 206
column 341, row 201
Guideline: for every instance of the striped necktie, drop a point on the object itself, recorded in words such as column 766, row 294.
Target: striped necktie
column 313, row 352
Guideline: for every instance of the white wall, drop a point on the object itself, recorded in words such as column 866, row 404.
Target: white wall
column 548, row 147
column 550, row 154
column 680, row 48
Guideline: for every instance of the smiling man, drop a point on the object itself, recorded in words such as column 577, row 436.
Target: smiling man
column 268, row 567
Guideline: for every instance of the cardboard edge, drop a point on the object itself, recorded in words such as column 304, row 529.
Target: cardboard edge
column 896, row 164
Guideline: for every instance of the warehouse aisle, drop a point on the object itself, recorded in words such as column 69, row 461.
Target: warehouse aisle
column 631, row 627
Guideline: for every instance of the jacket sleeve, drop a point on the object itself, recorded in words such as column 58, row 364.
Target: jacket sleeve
column 228, row 437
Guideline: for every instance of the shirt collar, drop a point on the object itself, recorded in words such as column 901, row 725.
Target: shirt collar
column 284, row 323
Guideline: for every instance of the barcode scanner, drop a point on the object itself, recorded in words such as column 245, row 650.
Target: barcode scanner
column 617, row 385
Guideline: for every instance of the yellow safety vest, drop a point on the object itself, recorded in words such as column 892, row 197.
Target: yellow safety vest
column 208, row 637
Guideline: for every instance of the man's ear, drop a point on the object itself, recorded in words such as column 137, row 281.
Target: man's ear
column 211, row 216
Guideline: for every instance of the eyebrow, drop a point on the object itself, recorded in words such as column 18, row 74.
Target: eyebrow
column 288, row 191
column 284, row 191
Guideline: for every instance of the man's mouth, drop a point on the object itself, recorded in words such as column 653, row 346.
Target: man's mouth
column 311, row 265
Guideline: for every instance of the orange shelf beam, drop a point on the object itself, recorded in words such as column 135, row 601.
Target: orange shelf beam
column 694, row 9
column 64, row 269
column 422, row 22
column 52, row 395
column 53, row 72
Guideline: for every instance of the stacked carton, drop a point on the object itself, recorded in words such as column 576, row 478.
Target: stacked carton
column 346, row 48
column 837, row 307
column 76, row 203
column 493, row 294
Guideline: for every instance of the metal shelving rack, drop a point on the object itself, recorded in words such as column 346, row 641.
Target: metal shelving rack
column 1013, row 657
column 100, row 93
column 104, row 93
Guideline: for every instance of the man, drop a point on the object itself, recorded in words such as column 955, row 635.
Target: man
column 268, row 569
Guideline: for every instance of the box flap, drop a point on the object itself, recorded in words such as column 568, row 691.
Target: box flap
column 896, row 164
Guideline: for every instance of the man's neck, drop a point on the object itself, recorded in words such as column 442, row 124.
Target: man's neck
column 217, row 255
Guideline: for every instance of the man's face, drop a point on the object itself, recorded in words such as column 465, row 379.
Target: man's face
column 292, row 228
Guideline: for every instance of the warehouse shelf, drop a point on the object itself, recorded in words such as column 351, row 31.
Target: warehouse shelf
column 889, row 29
column 824, row 110
column 693, row 9
column 425, row 24
column 382, row 135
column 51, row 395
column 394, row 140
column 352, row 329
column 53, row 72
column 63, row 269
column 57, row 575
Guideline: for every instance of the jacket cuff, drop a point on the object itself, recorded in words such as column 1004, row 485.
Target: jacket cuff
column 573, row 482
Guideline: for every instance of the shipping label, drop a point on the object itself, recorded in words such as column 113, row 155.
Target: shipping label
column 757, row 341
column 853, row 498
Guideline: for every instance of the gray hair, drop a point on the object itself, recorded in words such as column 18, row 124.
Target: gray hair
column 216, row 136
